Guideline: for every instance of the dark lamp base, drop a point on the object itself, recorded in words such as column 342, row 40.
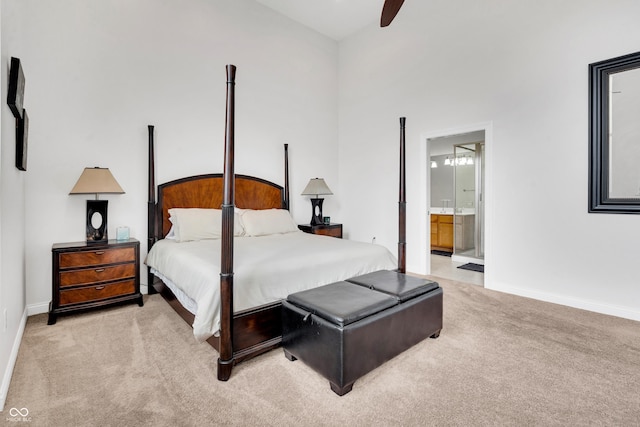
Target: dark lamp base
column 316, row 211
column 97, row 221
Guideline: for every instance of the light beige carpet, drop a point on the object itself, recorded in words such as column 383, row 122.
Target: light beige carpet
column 501, row 360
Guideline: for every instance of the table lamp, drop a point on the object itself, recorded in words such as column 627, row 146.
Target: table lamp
column 316, row 187
column 96, row 181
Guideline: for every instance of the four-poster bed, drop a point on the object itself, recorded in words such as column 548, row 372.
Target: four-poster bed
column 249, row 330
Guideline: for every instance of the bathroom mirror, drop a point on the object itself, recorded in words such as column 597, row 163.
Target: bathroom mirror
column 614, row 135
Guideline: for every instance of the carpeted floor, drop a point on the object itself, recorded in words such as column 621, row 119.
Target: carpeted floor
column 500, row 360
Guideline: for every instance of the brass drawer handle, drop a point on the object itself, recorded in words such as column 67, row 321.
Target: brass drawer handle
column 99, row 252
column 99, row 270
column 99, row 288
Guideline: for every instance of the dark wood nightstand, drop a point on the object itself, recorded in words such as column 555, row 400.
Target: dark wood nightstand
column 90, row 275
column 334, row 230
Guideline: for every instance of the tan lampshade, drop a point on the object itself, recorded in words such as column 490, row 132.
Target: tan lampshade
column 316, row 187
column 95, row 181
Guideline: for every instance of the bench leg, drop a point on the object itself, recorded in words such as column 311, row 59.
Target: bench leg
column 290, row 356
column 436, row 334
column 341, row 391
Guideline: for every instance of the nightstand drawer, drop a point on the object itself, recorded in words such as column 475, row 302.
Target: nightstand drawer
column 96, row 275
column 333, row 231
column 95, row 293
column 96, row 257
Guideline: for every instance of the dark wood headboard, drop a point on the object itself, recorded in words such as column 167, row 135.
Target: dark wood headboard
column 205, row 191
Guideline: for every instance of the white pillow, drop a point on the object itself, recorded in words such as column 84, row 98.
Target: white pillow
column 262, row 222
column 197, row 224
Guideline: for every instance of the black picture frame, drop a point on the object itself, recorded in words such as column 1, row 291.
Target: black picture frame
column 22, row 137
column 599, row 149
column 15, row 92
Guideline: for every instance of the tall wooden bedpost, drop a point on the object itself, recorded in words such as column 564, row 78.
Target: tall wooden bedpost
column 225, row 361
column 151, row 209
column 402, row 205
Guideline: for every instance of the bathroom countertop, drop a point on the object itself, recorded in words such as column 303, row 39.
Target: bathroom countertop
column 449, row 211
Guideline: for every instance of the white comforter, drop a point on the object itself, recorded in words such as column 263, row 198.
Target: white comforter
column 266, row 269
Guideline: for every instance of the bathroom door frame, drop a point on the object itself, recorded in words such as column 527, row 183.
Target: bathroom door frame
column 425, row 193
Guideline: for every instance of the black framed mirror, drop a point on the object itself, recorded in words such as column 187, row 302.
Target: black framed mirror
column 614, row 135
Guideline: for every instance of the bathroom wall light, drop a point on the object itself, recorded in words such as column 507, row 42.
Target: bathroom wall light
column 434, row 164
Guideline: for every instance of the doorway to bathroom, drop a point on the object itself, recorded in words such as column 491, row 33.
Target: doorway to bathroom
column 456, row 205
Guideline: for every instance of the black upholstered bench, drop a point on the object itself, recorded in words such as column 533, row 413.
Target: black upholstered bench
column 346, row 329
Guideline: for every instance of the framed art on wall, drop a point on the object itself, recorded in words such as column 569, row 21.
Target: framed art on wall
column 22, row 135
column 614, row 132
column 15, row 95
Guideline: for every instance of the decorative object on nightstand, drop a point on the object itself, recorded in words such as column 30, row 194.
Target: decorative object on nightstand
column 333, row 230
column 89, row 275
column 316, row 187
column 97, row 181
column 122, row 233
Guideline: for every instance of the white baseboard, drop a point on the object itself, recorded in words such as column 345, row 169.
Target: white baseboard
column 6, row 378
column 39, row 308
column 595, row 306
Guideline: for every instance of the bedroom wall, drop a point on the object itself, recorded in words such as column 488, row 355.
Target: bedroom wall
column 521, row 69
column 99, row 72
column 12, row 211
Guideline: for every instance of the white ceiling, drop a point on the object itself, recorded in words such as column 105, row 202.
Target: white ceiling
column 334, row 18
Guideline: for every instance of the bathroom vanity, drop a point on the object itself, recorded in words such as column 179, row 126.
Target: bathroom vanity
column 442, row 232
column 447, row 229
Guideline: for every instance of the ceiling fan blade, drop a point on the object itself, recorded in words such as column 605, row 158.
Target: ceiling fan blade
column 389, row 11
